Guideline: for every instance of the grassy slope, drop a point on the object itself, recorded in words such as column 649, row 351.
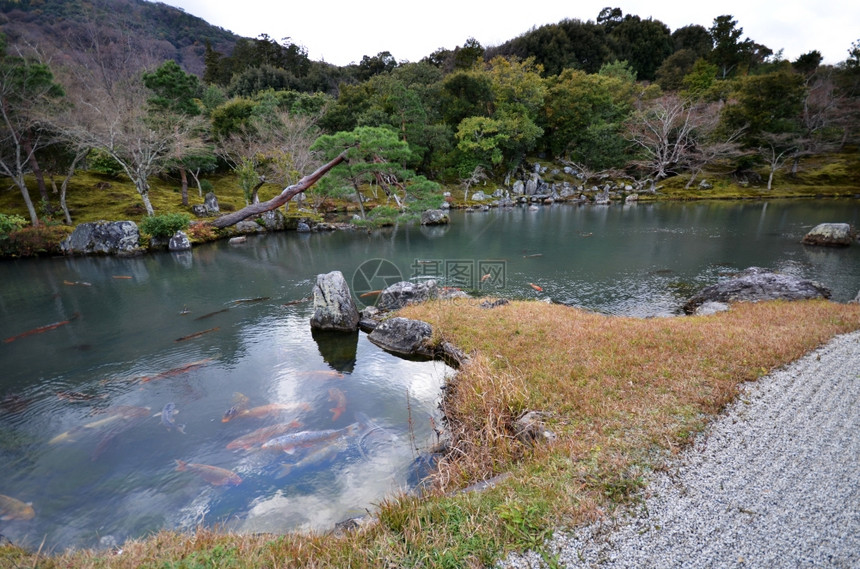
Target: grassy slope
column 622, row 394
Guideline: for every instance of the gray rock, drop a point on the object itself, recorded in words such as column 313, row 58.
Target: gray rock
column 237, row 240
column 273, row 220
column 829, row 235
column 179, row 242
column 711, row 307
column 434, row 217
column 518, row 188
column 479, row 196
column 199, row 210
column 756, row 284
column 404, row 336
column 103, row 237
column 303, row 227
column 400, row 294
column 211, row 203
column 334, row 308
column 632, row 198
column 247, row 226
column 530, row 428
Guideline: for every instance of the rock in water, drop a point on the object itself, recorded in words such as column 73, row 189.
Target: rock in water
column 405, row 337
column 103, row 237
column 830, row 235
column 334, row 307
column 179, row 242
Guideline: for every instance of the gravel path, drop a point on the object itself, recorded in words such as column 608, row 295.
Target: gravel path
column 773, row 483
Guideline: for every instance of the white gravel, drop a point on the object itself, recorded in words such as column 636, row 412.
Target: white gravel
column 773, row 483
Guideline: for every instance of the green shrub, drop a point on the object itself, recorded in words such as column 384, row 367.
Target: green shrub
column 10, row 223
column 103, row 163
column 165, row 225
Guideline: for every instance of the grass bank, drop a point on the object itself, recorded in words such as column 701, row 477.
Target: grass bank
column 621, row 394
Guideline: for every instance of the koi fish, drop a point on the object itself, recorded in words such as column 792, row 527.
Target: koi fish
column 111, row 434
column 370, row 293
column 77, row 283
column 290, row 442
column 262, row 435
column 41, row 329
column 114, row 415
column 336, row 395
column 175, row 371
column 317, row 456
column 212, row 314
column 536, row 287
column 263, row 411
column 299, row 301
column 196, row 334
column 78, row 396
column 248, row 300
column 167, row 413
column 13, row 509
column 533, row 255
column 211, row 474
column 485, row 277
column 121, row 277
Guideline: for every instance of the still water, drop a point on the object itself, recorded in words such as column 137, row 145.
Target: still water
column 112, row 412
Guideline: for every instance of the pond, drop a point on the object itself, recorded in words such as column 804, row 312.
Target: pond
column 118, row 374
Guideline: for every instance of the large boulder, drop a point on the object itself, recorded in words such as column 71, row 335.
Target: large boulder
column 211, row 204
column 400, row 294
column 756, row 284
column 334, row 308
column 103, row 237
column 434, row 217
column 829, row 235
column 179, row 242
column 404, row 336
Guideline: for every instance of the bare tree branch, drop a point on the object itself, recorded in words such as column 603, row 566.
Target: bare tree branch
column 280, row 199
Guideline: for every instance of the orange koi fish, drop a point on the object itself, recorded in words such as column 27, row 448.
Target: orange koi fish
column 211, row 474
column 41, row 329
column 536, row 287
column 338, row 396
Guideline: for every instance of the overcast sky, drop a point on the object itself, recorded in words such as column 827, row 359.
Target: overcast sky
column 341, row 32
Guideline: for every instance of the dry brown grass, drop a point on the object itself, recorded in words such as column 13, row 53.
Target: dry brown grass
column 622, row 393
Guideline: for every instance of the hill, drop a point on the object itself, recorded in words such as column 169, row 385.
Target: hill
column 155, row 30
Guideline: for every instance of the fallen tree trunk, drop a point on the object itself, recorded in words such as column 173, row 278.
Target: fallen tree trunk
column 280, row 199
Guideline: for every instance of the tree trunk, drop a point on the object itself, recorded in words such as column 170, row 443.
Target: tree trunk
column 143, row 190
column 360, row 201
column 770, row 178
column 184, row 177
column 34, row 219
column 34, row 165
column 280, row 199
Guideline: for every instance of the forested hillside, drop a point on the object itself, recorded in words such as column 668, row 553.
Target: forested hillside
column 139, row 91
column 162, row 31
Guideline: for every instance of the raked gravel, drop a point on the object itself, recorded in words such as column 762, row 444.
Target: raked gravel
column 773, row 483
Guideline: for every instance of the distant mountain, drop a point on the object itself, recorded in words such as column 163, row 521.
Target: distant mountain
column 156, row 31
